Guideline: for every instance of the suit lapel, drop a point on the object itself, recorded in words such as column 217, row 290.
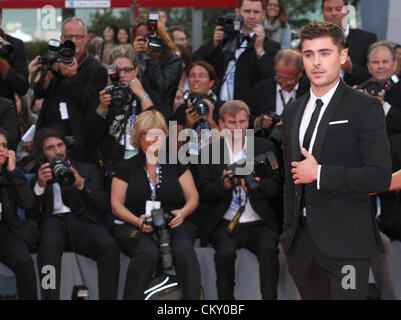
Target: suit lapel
column 296, row 150
column 324, row 122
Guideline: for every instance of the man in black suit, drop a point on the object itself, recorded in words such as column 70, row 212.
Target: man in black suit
column 71, row 217
column 273, row 94
column 382, row 66
column 257, row 228
column 254, row 59
column 13, row 67
column 336, row 152
column 69, row 89
column 354, row 70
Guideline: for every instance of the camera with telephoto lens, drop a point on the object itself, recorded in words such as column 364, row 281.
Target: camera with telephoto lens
column 373, row 87
column 57, row 51
column 232, row 25
column 62, row 172
column 260, row 161
column 155, row 44
column 160, row 220
column 5, row 48
column 118, row 90
column 197, row 102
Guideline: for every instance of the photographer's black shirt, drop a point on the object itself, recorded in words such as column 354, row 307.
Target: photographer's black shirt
column 168, row 190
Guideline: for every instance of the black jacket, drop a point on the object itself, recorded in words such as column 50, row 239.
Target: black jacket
column 211, row 189
column 15, row 192
column 249, row 70
column 17, row 76
column 90, row 203
column 358, row 42
column 9, row 122
column 161, row 79
column 78, row 92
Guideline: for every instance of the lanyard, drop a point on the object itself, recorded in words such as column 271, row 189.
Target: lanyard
column 153, row 185
column 282, row 98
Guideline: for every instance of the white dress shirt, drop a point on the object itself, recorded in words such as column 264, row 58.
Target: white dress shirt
column 286, row 95
column 310, row 107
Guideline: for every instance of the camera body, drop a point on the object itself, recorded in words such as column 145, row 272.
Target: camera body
column 232, row 25
column 276, row 132
column 57, row 51
column 155, row 43
column 373, row 87
column 260, row 161
column 160, row 220
column 5, row 48
column 118, row 90
column 197, row 102
column 62, row 172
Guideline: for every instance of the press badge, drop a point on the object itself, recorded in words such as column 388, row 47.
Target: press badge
column 234, row 206
column 152, row 205
column 63, row 111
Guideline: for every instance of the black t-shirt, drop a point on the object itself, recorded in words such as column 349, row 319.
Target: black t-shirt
column 168, row 190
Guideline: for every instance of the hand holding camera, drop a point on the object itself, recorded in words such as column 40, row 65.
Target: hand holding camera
column 218, row 35
column 191, row 117
column 260, row 38
column 45, row 174
column 147, row 228
column 69, row 70
column 105, row 100
column 79, row 181
column 59, row 170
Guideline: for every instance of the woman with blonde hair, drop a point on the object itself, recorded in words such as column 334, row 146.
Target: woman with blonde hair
column 142, row 184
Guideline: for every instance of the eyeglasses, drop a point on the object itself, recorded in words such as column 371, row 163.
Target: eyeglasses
column 281, row 79
column 127, row 69
column 76, row 36
column 273, row 5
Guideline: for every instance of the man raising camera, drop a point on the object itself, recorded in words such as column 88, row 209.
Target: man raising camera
column 68, row 90
column 253, row 60
column 70, row 202
column 241, row 215
column 383, row 84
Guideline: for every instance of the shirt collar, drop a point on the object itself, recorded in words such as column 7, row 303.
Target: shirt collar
column 327, row 97
column 231, row 152
column 278, row 88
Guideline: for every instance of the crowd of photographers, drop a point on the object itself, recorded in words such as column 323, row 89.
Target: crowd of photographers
column 76, row 119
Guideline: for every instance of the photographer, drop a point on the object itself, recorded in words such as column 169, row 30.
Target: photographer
column 200, row 110
column 70, row 204
column 382, row 66
column 242, row 66
column 68, row 89
column 13, row 65
column 18, row 238
column 160, row 61
column 257, row 228
column 141, row 185
column 110, row 124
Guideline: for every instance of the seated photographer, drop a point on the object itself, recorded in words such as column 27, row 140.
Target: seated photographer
column 240, row 67
column 142, row 185
column 110, row 124
column 68, row 87
column 70, row 203
column 13, row 65
column 18, row 238
column 384, row 84
column 200, row 108
column 161, row 64
column 241, row 215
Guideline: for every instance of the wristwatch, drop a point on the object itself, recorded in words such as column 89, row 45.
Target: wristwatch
column 145, row 97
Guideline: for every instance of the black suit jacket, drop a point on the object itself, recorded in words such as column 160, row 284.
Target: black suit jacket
column 17, row 76
column 211, row 189
column 249, row 70
column 358, row 42
column 264, row 96
column 355, row 160
column 90, row 203
column 9, row 122
column 15, row 192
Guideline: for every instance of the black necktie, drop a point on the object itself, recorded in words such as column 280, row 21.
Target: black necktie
column 312, row 124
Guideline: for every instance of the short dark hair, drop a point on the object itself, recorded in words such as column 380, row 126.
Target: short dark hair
column 41, row 138
column 175, row 28
column 319, row 29
column 207, row 66
column 382, row 44
column 345, row 2
column 241, row 2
